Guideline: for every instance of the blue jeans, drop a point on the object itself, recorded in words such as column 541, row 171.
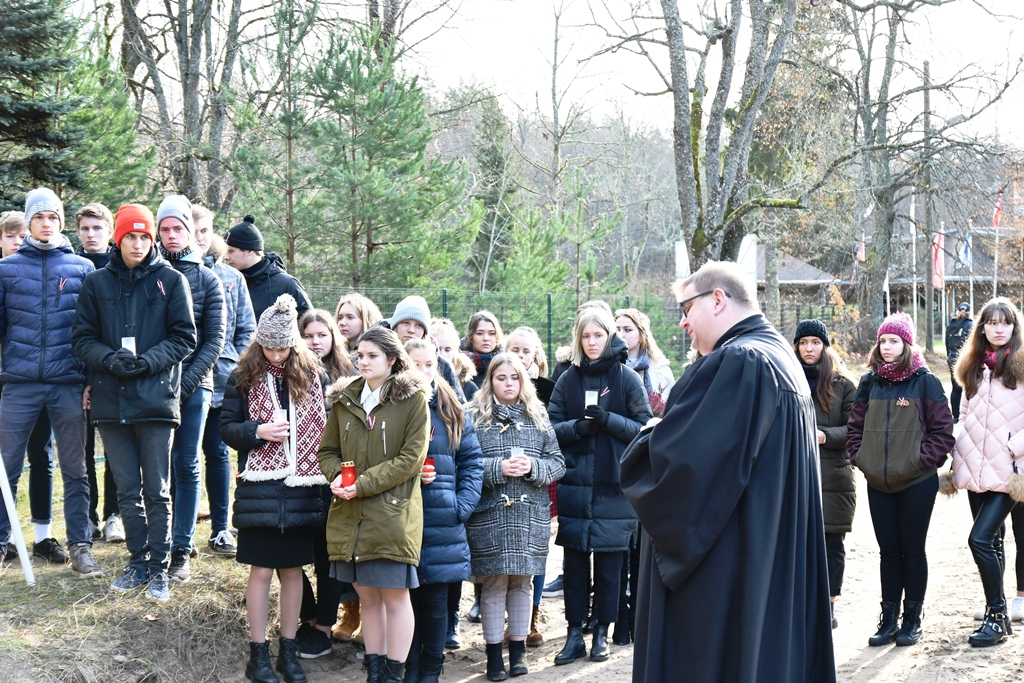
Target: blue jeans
column 185, row 468
column 20, row 406
column 139, row 455
column 218, row 473
column 40, row 471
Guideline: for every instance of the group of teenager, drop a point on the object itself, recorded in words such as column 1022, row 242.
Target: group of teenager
column 394, row 457
column 897, row 428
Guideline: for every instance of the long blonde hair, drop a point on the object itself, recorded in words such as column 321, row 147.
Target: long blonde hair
column 448, row 407
column 539, row 357
column 483, row 400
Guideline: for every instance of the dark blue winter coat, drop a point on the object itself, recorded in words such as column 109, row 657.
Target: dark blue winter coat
column 448, row 501
column 38, row 292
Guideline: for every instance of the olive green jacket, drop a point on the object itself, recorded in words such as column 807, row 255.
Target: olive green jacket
column 385, row 519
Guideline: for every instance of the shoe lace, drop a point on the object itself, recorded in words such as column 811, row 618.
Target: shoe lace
column 224, row 537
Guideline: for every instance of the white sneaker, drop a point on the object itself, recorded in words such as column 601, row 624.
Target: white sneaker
column 1017, row 609
column 979, row 614
column 114, row 530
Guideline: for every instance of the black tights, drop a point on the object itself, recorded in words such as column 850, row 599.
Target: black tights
column 901, row 528
column 986, row 540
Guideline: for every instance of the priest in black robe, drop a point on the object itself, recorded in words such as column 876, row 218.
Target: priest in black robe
column 733, row 584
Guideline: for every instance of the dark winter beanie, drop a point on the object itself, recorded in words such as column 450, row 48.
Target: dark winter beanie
column 278, row 328
column 811, row 328
column 245, row 235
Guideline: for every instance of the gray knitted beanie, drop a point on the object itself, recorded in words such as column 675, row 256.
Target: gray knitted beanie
column 278, row 327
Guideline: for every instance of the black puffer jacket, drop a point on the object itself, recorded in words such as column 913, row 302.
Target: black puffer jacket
column 595, row 516
column 263, row 504
column 153, row 304
column 838, row 484
column 268, row 280
column 208, row 309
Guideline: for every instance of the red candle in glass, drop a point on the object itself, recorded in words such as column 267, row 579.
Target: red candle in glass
column 348, row 473
column 428, row 462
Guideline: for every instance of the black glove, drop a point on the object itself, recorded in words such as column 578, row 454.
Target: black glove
column 586, row 428
column 596, row 413
column 141, row 367
column 121, row 363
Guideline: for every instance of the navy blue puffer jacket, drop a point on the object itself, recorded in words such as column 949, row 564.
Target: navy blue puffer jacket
column 38, row 292
column 448, row 501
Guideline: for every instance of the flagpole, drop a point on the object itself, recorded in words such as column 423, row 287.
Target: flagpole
column 913, row 241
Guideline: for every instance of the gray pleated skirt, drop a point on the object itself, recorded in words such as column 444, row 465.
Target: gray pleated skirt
column 376, row 573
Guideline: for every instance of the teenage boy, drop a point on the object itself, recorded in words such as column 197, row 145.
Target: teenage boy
column 95, row 227
column 240, row 325
column 39, row 288
column 264, row 273
column 40, row 447
column 134, row 326
column 176, row 235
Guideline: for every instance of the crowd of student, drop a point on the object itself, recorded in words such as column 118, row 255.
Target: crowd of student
column 400, row 460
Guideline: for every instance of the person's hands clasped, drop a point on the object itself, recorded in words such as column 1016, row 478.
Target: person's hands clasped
column 273, row 431
column 123, row 363
column 516, row 466
column 343, row 492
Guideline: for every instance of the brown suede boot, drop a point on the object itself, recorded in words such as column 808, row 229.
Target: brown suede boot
column 348, row 628
column 536, row 638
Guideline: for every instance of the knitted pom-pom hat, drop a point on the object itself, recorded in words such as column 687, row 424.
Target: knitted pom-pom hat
column 245, row 235
column 900, row 324
column 278, row 327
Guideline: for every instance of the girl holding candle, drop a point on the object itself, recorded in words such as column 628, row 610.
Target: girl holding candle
column 508, row 532
column 450, row 485
column 380, row 422
column 273, row 415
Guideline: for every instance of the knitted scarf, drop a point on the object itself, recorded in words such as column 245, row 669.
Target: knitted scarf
column 891, row 373
column 991, row 358
column 482, row 360
column 811, row 373
column 612, row 397
column 642, row 365
column 293, row 460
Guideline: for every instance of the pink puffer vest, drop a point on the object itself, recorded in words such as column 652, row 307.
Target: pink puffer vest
column 993, row 433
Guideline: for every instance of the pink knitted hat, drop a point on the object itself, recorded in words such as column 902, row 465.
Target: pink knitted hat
column 900, row 324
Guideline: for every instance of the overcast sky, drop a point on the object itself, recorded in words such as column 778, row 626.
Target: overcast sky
column 506, row 45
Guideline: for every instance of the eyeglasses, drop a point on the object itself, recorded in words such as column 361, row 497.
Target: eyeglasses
column 685, row 310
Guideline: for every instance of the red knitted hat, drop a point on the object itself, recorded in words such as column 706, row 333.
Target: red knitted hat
column 133, row 218
column 900, row 324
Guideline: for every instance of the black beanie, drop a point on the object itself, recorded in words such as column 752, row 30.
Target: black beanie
column 811, row 328
column 245, row 235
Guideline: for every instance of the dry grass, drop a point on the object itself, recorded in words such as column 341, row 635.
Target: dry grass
column 70, row 629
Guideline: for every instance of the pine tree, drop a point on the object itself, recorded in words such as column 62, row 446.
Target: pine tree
column 36, row 139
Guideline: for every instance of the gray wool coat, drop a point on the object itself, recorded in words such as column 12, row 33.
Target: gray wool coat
column 509, row 530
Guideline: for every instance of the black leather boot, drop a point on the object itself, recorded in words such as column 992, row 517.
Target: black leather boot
column 474, row 611
column 495, row 662
column 599, row 650
column 431, row 667
column 393, row 671
column 888, row 625
column 517, row 658
column 412, row 663
column 373, row 665
column 453, row 639
column 288, row 661
column 574, row 647
column 993, row 629
column 910, row 633
column 258, row 669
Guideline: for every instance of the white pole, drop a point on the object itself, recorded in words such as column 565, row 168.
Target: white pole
column 913, row 243
column 995, row 268
column 19, row 539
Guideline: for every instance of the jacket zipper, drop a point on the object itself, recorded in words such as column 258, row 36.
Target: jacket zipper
column 888, row 413
column 384, row 437
column 344, row 436
column 42, row 337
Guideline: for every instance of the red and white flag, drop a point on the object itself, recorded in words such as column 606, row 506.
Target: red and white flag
column 938, row 262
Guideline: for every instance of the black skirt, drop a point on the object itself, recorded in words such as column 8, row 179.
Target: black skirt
column 269, row 547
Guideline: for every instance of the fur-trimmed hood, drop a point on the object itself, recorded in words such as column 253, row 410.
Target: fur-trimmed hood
column 218, row 247
column 562, row 354
column 396, row 388
column 463, row 366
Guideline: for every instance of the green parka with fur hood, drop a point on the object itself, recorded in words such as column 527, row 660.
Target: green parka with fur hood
column 388, row 446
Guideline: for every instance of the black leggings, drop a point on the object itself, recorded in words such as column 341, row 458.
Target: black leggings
column 901, row 529
column 1017, row 521
column 430, row 605
column 986, row 540
column 321, row 605
column 835, row 554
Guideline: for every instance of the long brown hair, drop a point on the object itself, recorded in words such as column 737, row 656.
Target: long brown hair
column 336, row 362
column 827, row 364
column 970, row 366
column 483, row 316
column 903, row 363
column 299, row 369
column 448, row 407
